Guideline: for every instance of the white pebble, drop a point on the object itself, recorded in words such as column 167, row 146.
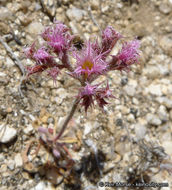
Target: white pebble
column 87, row 128
column 140, row 131
column 153, row 119
column 18, row 160
column 28, row 130
column 155, row 89
column 7, row 134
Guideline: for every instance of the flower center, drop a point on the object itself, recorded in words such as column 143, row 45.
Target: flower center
column 87, row 64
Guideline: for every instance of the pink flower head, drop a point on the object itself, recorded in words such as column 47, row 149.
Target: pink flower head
column 102, row 94
column 90, row 93
column 87, row 94
column 128, row 55
column 89, row 63
column 58, row 38
column 29, row 51
column 53, row 73
column 43, row 61
column 96, row 46
column 109, row 39
column 42, row 56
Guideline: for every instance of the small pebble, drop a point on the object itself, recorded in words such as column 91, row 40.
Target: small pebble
column 11, row 165
column 166, row 44
column 42, row 186
column 162, row 113
column 130, row 118
column 28, row 129
column 164, row 8
column 153, row 119
column 87, row 128
column 124, row 81
column 7, row 133
column 165, row 101
column 35, row 28
column 130, row 90
column 18, row 160
column 167, row 146
column 155, row 89
column 140, row 131
column 75, row 13
column 2, row 157
column 5, row 14
column 119, row 122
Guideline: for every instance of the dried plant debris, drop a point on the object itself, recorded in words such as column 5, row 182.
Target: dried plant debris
column 58, row 170
column 151, row 155
column 151, row 160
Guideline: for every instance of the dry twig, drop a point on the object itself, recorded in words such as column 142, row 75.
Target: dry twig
column 91, row 16
column 13, row 56
column 17, row 62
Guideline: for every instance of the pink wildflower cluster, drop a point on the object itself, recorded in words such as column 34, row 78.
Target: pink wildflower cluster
column 92, row 60
column 128, row 55
column 58, row 38
column 88, row 63
column 91, row 93
column 109, row 39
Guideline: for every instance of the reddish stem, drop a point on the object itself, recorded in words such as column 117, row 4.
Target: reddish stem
column 69, row 117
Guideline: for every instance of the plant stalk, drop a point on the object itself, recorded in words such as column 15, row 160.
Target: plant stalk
column 69, row 117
